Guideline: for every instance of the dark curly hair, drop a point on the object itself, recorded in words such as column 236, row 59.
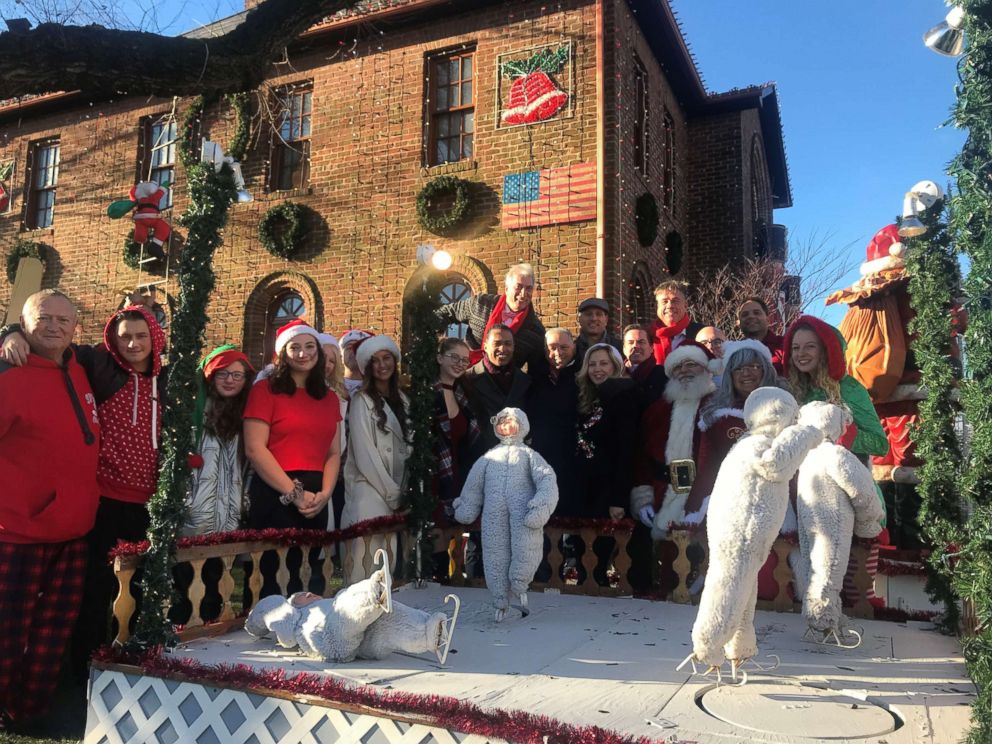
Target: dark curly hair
column 281, row 380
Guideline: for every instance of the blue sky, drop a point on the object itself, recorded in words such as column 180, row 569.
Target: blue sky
column 863, row 101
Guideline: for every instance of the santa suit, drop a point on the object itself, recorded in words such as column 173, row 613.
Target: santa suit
column 746, row 509
column 147, row 215
column 836, row 498
column 515, row 490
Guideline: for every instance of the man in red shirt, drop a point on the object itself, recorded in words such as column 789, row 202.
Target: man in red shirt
column 49, row 443
column 752, row 318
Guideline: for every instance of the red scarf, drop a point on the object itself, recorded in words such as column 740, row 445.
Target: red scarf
column 496, row 316
column 663, row 336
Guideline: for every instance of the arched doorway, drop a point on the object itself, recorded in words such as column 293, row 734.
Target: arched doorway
column 276, row 300
column 285, row 306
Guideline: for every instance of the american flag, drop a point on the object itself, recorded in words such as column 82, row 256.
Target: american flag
column 550, row 196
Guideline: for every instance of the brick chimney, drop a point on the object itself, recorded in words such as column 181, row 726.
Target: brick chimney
column 249, row 4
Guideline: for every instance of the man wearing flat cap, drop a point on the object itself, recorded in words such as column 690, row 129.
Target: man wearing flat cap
column 594, row 327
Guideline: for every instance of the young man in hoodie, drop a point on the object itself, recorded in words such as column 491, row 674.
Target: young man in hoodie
column 49, row 442
column 126, row 375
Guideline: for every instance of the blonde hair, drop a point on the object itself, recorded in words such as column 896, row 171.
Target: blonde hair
column 588, row 394
column 804, row 383
column 336, row 380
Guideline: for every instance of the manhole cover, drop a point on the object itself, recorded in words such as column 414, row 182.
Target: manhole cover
column 798, row 711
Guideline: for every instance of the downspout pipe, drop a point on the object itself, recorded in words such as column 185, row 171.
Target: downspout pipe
column 600, row 151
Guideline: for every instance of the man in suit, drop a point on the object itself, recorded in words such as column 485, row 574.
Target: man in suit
column 641, row 366
column 495, row 382
column 674, row 324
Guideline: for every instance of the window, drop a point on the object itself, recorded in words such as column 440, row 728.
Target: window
column 290, row 152
column 455, row 290
column 668, row 126
column 641, row 120
column 284, row 307
column 157, row 152
column 451, row 108
column 42, row 179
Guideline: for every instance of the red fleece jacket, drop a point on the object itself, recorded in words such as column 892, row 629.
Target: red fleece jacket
column 49, row 441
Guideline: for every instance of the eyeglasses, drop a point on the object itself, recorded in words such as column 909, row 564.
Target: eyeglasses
column 225, row 375
column 752, row 368
column 713, row 342
column 457, row 359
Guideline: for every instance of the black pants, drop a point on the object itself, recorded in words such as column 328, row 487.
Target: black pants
column 267, row 512
column 115, row 520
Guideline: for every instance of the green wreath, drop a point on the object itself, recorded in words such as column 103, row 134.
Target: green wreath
column 428, row 195
column 23, row 249
column 281, row 229
column 646, row 217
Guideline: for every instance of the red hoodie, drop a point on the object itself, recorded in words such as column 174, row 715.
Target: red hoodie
column 131, row 419
column 49, row 440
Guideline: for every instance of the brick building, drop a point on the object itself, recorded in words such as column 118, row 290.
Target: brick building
column 370, row 106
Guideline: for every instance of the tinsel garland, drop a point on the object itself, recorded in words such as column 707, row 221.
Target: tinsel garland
column 894, row 615
column 971, row 222
column 210, row 195
column 934, row 282
column 449, row 713
column 421, row 365
column 898, row 568
column 286, row 537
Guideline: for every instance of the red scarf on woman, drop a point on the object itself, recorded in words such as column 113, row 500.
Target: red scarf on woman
column 663, row 336
column 496, row 316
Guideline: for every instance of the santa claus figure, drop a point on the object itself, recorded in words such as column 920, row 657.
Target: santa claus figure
column 746, row 509
column 836, row 499
column 148, row 223
column 516, row 491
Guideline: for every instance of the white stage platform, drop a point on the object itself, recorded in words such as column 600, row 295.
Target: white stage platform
column 608, row 662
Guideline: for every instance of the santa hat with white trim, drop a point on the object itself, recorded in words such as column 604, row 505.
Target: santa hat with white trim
column 692, row 350
column 732, row 347
column 885, row 251
column 291, row 330
column 371, row 345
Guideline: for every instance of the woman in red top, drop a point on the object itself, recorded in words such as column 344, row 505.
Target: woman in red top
column 293, row 442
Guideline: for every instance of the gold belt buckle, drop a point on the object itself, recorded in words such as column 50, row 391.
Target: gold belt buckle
column 682, row 473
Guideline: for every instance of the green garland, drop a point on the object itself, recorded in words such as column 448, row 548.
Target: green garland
column 24, row 249
column 210, row 196
column 189, row 144
column 281, row 230
column 440, row 187
column 971, row 221
column 646, row 218
column 242, row 125
column 421, row 363
column 933, row 284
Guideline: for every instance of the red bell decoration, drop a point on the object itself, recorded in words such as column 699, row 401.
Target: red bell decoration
column 533, row 97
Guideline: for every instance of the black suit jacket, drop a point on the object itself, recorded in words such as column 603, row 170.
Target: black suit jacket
column 487, row 399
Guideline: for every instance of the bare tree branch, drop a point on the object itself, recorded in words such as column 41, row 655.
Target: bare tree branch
column 102, row 61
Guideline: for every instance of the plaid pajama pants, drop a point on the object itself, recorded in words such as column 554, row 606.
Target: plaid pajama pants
column 41, row 586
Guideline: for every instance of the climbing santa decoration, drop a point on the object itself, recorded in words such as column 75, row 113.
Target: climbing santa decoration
column 147, row 199
column 534, row 95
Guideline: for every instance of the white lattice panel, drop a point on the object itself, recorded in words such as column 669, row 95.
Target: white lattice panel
column 128, row 709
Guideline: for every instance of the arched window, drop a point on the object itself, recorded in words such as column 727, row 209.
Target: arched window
column 284, row 307
column 640, row 308
column 455, row 288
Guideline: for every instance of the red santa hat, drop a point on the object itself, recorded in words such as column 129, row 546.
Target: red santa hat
column 291, row 330
column 355, row 336
column 367, row 348
column 885, row 251
column 695, row 351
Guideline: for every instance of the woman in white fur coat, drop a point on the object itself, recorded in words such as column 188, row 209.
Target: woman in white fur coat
column 516, row 491
column 377, row 449
column 746, row 509
column 836, row 498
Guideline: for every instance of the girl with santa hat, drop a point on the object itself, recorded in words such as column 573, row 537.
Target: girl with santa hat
column 293, row 441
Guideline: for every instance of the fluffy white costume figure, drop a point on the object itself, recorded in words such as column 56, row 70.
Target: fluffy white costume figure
column 515, row 490
column 330, row 629
column 746, row 509
column 836, row 498
column 405, row 629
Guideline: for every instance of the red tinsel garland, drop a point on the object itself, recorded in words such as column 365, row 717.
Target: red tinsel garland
column 901, row 616
column 444, row 712
column 893, row 568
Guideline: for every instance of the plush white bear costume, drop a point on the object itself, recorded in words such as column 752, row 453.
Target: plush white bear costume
column 516, row 490
column 836, row 498
column 746, row 509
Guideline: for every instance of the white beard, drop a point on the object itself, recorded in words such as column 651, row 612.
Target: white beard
column 691, row 390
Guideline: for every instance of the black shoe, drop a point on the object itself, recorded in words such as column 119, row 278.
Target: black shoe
column 155, row 249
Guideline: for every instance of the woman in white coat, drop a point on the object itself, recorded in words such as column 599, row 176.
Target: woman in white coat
column 377, row 451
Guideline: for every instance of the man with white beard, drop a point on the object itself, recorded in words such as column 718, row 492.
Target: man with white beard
column 670, row 440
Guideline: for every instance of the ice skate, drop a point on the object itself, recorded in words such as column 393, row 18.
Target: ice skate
column 500, row 614
column 386, row 596
column 847, row 638
column 446, row 630
column 524, row 609
column 715, row 671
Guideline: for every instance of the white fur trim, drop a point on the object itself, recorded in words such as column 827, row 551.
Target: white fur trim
column 732, row 347
column 371, row 345
column 290, row 333
column 326, row 339
column 720, row 413
column 880, row 264
column 682, row 353
column 679, row 444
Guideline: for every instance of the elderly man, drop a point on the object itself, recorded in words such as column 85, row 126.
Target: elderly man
column 641, row 365
column 594, row 322
column 674, row 326
column 512, row 309
column 49, row 444
column 495, row 383
column 752, row 318
column 713, row 339
column 553, row 414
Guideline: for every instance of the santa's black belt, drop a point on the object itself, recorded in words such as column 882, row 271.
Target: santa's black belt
column 679, row 474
